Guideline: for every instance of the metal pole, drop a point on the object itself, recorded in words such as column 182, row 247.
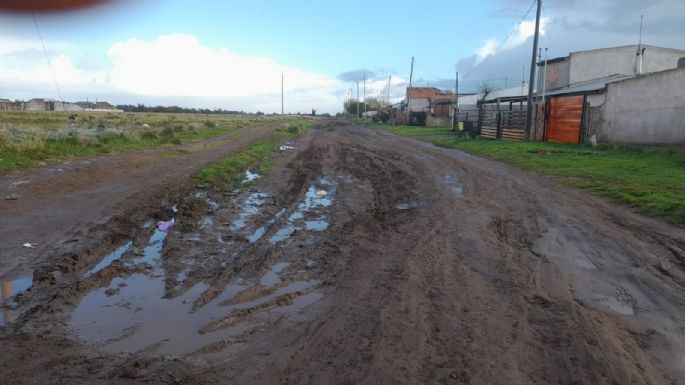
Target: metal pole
column 529, row 107
column 411, row 75
column 357, row 99
column 389, row 79
column 364, row 92
column 544, row 78
column 282, row 110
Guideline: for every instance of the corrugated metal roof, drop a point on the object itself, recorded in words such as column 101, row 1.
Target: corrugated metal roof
column 506, row 93
column 589, row 87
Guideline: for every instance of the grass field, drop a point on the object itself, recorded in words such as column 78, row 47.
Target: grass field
column 27, row 138
column 228, row 172
column 652, row 180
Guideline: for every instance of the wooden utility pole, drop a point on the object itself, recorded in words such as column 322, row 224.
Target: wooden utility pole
column 529, row 109
column 411, row 75
column 282, row 112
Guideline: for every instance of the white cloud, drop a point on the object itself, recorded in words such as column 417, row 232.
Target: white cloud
column 487, row 49
column 521, row 33
column 174, row 67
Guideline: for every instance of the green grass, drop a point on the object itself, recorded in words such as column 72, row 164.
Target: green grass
column 27, row 138
column 230, row 171
column 651, row 180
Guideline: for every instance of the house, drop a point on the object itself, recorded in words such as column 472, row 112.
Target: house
column 430, row 100
column 629, row 94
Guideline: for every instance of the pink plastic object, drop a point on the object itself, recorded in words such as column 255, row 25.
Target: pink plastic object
column 165, row 226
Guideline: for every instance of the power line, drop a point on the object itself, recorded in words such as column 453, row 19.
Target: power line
column 478, row 68
column 47, row 57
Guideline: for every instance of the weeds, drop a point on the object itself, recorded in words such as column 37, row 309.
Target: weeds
column 27, row 138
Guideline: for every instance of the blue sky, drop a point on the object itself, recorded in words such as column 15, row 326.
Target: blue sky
column 316, row 43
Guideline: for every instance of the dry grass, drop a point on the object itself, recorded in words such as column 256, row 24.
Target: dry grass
column 30, row 137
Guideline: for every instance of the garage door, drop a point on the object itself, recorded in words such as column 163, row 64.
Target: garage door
column 564, row 116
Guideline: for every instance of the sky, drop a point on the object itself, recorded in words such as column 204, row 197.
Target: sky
column 231, row 54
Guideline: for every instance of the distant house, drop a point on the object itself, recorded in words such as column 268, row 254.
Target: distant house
column 40, row 104
column 430, row 100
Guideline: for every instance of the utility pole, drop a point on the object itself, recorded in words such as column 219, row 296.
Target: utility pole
column 544, row 77
column 411, row 75
column 357, row 99
column 389, row 80
column 529, row 109
column 282, row 112
column 455, row 110
column 365, row 91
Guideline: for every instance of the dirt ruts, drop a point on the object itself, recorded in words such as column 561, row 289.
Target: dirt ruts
column 363, row 257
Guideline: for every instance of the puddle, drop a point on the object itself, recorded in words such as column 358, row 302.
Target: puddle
column 250, row 176
column 206, row 222
column 212, row 204
column 316, row 225
column 15, row 286
column 107, row 260
column 153, row 250
column 8, row 289
column 136, row 317
column 259, row 233
column 316, row 199
column 251, row 207
column 615, row 305
column 271, row 278
column 283, row 233
column 408, row 205
column 450, row 180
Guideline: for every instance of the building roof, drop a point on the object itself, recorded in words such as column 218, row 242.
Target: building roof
column 555, row 60
column 506, row 94
column 428, row 92
column 589, row 87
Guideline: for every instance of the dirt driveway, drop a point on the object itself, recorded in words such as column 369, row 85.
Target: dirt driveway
column 365, row 258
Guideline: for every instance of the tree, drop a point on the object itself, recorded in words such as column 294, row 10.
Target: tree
column 372, row 104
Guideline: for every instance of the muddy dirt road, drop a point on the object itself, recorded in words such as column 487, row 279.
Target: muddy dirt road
column 59, row 203
column 363, row 258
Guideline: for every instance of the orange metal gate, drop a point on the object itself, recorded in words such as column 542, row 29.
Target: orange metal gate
column 564, row 117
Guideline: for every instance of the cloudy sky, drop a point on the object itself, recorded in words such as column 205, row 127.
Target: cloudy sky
column 231, row 53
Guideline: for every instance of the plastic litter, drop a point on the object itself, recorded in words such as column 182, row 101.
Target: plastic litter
column 29, row 245
column 321, row 193
column 165, row 226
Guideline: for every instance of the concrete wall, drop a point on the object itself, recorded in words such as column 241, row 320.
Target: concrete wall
column 648, row 109
column 419, row 104
column 438, row 121
column 557, row 76
column 600, row 63
column 596, row 100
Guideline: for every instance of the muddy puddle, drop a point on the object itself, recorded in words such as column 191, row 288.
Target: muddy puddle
column 8, row 289
column 132, row 314
column 136, row 313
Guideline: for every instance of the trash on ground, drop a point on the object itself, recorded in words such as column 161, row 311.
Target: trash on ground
column 165, row 226
column 29, row 245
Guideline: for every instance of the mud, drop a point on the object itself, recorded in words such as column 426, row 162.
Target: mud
column 360, row 258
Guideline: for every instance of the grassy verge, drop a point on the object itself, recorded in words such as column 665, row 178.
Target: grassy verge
column 230, row 171
column 27, row 138
column 652, row 180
